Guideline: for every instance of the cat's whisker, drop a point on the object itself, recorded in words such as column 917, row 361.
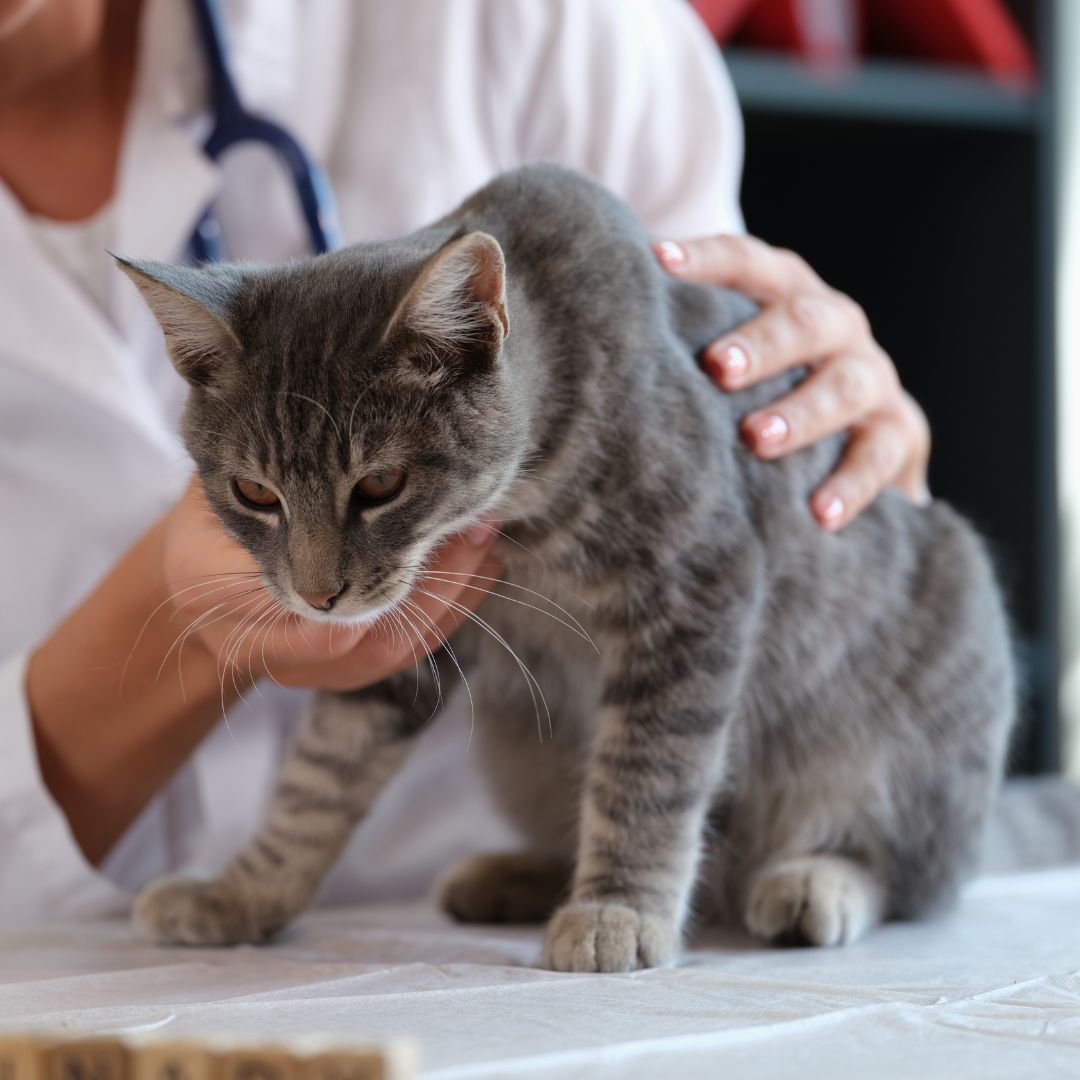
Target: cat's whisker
column 531, row 476
column 279, row 619
column 406, row 639
column 431, row 663
column 142, row 630
column 445, row 644
column 506, row 536
column 530, row 679
column 232, row 653
column 266, row 618
column 573, row 626
column 200, row 623
column 244, row 630
column 514, row 585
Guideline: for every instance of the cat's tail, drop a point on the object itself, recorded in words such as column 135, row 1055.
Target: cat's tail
column 1035, row 824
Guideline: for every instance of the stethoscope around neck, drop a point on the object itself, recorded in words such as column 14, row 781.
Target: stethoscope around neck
column 233, row 124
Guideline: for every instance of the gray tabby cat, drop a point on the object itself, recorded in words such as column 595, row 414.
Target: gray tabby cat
column 809, row 729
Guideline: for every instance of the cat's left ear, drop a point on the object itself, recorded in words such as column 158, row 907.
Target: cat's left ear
column 192, row 307
column 458, row 303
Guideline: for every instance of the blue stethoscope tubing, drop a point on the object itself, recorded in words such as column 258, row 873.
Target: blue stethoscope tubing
column 233, row 124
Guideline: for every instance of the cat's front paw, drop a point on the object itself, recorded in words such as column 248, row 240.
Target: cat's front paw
column 182, row 911
column 595, row 935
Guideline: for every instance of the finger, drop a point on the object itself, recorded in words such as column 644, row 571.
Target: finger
column 843, row 392
column 871, row 463
column 762, row 272
column 799, row 329
column 912, row 479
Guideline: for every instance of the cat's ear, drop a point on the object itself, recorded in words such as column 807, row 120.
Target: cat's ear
column 458, row 303
column 191, row 307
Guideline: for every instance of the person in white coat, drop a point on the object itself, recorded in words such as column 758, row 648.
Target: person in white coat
column 114, row 763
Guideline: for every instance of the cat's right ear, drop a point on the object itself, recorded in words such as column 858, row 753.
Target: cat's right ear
column 190, row 305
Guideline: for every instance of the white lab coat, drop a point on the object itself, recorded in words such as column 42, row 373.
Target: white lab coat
column 409, row 105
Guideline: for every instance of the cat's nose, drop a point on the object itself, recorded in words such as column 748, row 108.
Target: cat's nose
column 323, row 601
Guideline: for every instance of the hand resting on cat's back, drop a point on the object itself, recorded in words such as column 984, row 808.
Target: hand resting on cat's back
column 685, row 692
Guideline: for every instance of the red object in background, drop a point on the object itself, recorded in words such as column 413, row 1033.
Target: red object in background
column 973, row 33
column 722, row 17
column 824, row 31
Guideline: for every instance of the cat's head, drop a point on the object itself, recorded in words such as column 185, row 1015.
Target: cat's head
column 346, row 413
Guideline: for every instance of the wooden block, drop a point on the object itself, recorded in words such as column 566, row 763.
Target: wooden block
column 87, row 1059
column 172, row 1061
column 22, row 1059
column 258, row 1063
column 389, row 1061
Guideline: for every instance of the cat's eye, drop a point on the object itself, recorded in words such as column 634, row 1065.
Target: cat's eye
column 257, row 496
column 379, row 487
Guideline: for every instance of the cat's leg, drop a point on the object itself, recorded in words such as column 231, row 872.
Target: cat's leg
column 514, row 887
column 814, row 900
column 657, row 758
column 344, row 754
column 533, row 775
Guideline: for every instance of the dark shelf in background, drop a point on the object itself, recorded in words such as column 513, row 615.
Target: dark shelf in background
column 882, row 90
column 927, row 194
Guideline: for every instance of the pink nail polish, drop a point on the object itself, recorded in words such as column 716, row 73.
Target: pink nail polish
column 732, row 361
column 832, row 511
column 773, row 430
column 671, row 254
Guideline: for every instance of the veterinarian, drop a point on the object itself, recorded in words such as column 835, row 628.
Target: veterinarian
column 114, row 763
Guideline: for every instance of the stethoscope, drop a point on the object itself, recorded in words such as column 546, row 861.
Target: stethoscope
column 233, row 124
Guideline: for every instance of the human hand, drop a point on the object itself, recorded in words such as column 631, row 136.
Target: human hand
column 221, row 607
column 852, row 385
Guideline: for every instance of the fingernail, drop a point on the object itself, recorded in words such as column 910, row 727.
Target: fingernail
column 924, row 498
column 772, row 429
column 832, row 512
column 479, row 534
column 729, row 362
column 671, row 254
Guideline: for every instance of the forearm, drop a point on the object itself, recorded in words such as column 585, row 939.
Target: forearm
column 109, row 731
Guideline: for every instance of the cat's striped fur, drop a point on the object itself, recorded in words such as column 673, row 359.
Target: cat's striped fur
column 808, row 729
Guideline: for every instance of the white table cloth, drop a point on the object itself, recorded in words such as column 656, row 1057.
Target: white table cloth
column 991, row 991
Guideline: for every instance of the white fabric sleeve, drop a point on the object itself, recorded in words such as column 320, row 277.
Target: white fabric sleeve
column 633, row 92
column 43, row 873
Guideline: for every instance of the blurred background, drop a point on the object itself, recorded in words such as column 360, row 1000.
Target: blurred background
column 921, row 154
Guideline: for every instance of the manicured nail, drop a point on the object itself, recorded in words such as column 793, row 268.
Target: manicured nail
column 671, row 254
column 729, row 362
column 772, row 429
column 479, row 534
column 832, row 512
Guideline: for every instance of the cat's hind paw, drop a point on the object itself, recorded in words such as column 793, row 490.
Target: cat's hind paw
column 183, row 911
column 594, row 936
column 813, row 900
column 512, row 888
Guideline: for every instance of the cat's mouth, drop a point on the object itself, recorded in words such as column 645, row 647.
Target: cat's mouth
column 349, row 611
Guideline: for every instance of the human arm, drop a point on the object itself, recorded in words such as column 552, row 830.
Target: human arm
column 117, row 707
